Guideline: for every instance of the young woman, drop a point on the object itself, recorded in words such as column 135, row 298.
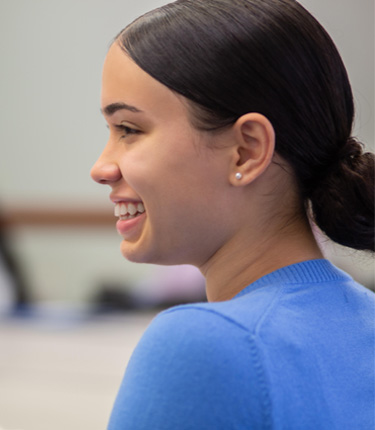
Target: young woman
column 230, row 130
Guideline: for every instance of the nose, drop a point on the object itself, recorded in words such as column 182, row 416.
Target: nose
column 106, row 169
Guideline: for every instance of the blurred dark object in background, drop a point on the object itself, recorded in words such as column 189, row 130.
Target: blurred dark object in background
column 164, row 287
column 13, row 287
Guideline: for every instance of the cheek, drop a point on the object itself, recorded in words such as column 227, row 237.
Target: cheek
column 172, row 172
column 158, row 163
column 136, row 169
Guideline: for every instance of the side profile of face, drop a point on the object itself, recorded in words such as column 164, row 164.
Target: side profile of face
column 169, row 178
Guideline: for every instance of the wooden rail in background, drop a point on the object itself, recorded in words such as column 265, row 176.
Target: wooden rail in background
column 57, row 217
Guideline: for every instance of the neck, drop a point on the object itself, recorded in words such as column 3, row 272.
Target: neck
column 251, row 255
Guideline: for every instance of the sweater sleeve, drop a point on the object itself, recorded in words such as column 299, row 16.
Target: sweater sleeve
column 193, row 369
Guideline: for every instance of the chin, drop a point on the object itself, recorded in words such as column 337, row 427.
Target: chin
column 136, row 253
column 141, row 254
column 133, row 253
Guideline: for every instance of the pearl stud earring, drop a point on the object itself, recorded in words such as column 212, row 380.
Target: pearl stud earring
column 238, row 175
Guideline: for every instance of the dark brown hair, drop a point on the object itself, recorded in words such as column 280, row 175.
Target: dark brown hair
column 231, row 57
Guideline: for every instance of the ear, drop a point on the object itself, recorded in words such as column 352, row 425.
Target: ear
column 254, row 148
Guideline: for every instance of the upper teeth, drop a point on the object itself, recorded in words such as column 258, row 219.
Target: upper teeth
column 122, row 208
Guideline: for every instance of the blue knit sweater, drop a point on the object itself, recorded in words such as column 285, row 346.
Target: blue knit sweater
column 293, row 350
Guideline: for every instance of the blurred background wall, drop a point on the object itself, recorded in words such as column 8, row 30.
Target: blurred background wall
column 57, row 220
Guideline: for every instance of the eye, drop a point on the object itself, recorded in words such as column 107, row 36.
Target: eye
column 126, row 130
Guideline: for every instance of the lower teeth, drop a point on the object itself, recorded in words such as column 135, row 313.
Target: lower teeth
column 125, row 217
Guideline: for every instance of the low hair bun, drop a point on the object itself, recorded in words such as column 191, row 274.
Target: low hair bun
column 342, row 203
column 350, row 151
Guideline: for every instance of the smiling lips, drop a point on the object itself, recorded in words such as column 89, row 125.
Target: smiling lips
column 126, row 210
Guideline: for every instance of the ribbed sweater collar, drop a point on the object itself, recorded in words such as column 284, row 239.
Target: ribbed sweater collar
column 311, row 271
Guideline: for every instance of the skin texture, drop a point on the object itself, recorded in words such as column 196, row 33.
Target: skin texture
column 197, row 212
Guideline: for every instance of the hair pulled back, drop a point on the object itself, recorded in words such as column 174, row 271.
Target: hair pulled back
column 231, row 57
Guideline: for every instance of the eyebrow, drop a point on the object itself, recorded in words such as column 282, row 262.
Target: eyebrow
column 114, row 107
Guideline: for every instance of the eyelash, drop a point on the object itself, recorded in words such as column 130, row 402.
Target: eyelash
column 128, row 131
